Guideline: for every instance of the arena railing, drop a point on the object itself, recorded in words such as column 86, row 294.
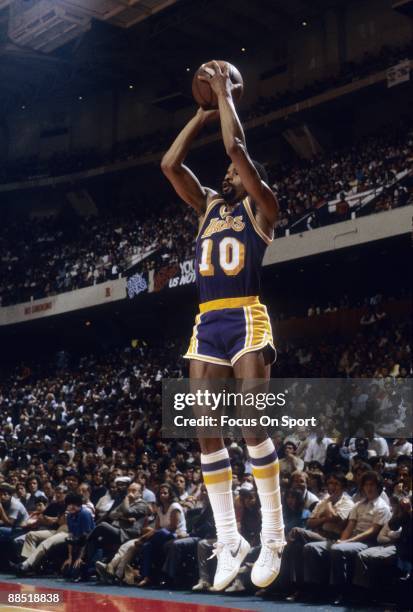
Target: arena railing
column 358, row 203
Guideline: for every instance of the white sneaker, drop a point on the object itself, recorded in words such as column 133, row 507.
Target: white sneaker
column 202, row 585
column 267, row 566
column 229, row 562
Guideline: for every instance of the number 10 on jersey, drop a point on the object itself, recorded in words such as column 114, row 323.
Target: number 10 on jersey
column 231, row 257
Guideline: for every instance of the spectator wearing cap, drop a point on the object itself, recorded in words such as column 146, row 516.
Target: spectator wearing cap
column 12, row 513
column 123, row 523
column 122, row 483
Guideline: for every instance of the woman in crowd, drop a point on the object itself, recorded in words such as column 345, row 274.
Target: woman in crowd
column 170, row 523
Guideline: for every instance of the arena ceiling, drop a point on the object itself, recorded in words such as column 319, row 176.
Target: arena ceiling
column 158, row 49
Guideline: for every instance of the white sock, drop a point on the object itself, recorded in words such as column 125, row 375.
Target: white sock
column 217, row 472
column 266, row 470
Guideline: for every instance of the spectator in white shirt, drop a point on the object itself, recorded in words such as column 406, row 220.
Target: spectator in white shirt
column 327, row 521
column 366, row 519
column 317, row 448
column 383, row 556
column 401, row 447
column 376, row 443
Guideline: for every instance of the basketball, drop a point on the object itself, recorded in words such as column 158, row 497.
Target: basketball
column 202, row 92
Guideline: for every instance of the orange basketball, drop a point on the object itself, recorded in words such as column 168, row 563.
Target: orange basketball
column 202, row 92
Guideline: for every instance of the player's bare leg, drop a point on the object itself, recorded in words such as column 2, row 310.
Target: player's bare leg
column 231, row 548
column 255, row 365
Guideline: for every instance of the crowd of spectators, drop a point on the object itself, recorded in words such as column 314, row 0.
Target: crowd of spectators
column 90, row 490
column 377, row 350
column 45, row 256
column 305, row 189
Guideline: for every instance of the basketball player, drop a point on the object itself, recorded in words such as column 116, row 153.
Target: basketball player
column 232, row 335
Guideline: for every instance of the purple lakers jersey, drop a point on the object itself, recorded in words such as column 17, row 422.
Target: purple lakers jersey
column 229, row 251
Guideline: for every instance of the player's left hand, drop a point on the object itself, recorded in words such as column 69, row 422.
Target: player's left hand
column 207, row 116
column 218, row 79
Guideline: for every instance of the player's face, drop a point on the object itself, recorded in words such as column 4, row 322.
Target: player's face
column 232, row 188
